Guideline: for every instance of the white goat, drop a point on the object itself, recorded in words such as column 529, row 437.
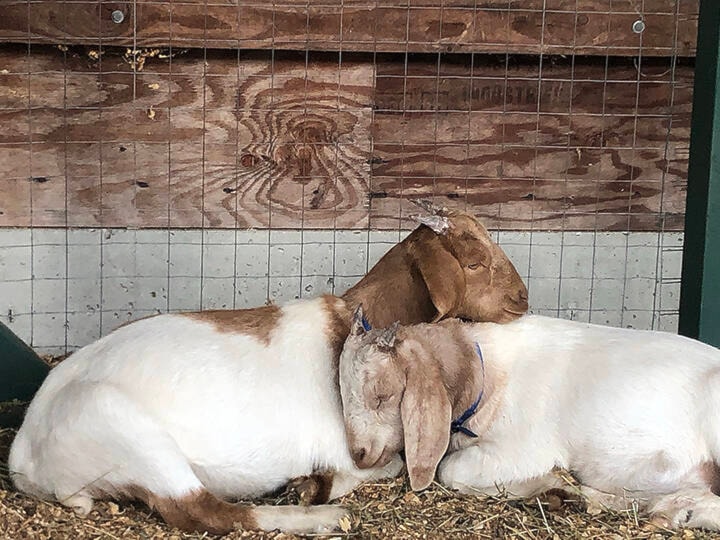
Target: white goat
column 183, row 410
column 634, row 415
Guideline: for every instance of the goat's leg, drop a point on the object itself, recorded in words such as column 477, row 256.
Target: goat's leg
column 695, row 507
column 321, row 487
column 479, row 470
column 516, row 489
column 202, row 511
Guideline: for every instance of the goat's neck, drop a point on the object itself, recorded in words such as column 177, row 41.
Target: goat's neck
column 448, row 346
column 463, row 373
column 393, row 290
column 468, row 377
column 338, row 321
column 393, row 297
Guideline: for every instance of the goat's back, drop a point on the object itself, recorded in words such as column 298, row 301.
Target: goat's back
column 245, row 410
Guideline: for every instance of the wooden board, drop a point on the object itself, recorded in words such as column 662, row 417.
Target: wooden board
column 224, row 140
column 235, row 147
column 552, row 147
column 587, row 27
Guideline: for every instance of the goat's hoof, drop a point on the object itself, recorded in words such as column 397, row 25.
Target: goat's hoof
column 80, row 504
column 312, row 489
column 663, row 521
column 554, row 498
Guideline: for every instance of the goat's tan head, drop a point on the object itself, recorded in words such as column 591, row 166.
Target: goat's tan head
column 469, row 276
column 392, row 399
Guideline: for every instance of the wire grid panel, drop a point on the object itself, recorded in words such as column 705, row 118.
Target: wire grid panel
column 206, row 175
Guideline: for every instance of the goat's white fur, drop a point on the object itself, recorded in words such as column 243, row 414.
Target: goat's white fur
column 208, row 408
column 634, row 414
column 627, row 410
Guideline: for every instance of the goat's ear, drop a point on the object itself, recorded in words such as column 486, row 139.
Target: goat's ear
column 358, row 326
column 425, row 411
column 443, row 277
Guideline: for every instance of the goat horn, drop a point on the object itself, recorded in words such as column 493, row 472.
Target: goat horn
column 430, row 208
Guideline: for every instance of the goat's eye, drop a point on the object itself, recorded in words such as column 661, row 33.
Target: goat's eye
column 475, row 266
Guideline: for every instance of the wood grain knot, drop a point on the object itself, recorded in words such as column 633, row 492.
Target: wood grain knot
column 248, row 160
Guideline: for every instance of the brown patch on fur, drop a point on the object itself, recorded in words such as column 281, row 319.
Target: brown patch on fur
column 199, row 511
column 314, row 488
column 258, row 322
column 338, row 324
column 710, row 474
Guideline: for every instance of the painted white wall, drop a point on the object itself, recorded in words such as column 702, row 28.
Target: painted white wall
column 61, row 289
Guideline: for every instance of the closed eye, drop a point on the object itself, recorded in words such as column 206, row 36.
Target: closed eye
column 475, row 266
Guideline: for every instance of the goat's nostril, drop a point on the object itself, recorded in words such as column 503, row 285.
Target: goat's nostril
column 523, row 295
column 359, row 454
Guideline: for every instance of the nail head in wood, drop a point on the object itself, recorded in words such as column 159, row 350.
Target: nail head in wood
column 638, row 26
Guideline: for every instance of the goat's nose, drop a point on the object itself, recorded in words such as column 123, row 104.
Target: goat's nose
column 523, row 294
column 359, row 455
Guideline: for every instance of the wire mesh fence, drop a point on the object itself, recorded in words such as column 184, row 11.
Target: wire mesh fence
column 163, row 156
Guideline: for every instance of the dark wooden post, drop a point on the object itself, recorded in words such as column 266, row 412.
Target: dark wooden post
column 700, row 289
column 21, row 370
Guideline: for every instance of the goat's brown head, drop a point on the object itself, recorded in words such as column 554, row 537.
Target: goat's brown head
column 467, row 274
column 447, row 267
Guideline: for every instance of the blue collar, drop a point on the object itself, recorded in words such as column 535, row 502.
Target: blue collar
column 366, row 324
column 457, row 424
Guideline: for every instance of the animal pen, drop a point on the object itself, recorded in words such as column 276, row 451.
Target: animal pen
column 163, row 156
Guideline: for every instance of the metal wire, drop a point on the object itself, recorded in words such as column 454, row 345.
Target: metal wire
column 446, row 91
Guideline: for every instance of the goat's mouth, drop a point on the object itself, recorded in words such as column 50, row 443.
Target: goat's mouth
column 366, row 458
column 386, row 457
column 512, row 313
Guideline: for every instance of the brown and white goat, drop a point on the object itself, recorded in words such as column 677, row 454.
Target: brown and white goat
column 186, row 410
column 635, row 415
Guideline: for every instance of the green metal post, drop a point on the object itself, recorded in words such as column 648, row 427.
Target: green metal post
column 21, row 370
column 700, row 289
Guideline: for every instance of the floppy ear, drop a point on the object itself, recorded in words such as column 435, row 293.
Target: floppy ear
column 425, row 411
column 443, row 277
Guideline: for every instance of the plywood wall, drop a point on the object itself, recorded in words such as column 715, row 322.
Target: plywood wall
column 333, row 115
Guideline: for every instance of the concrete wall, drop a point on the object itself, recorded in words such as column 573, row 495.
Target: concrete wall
column 61, row 289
